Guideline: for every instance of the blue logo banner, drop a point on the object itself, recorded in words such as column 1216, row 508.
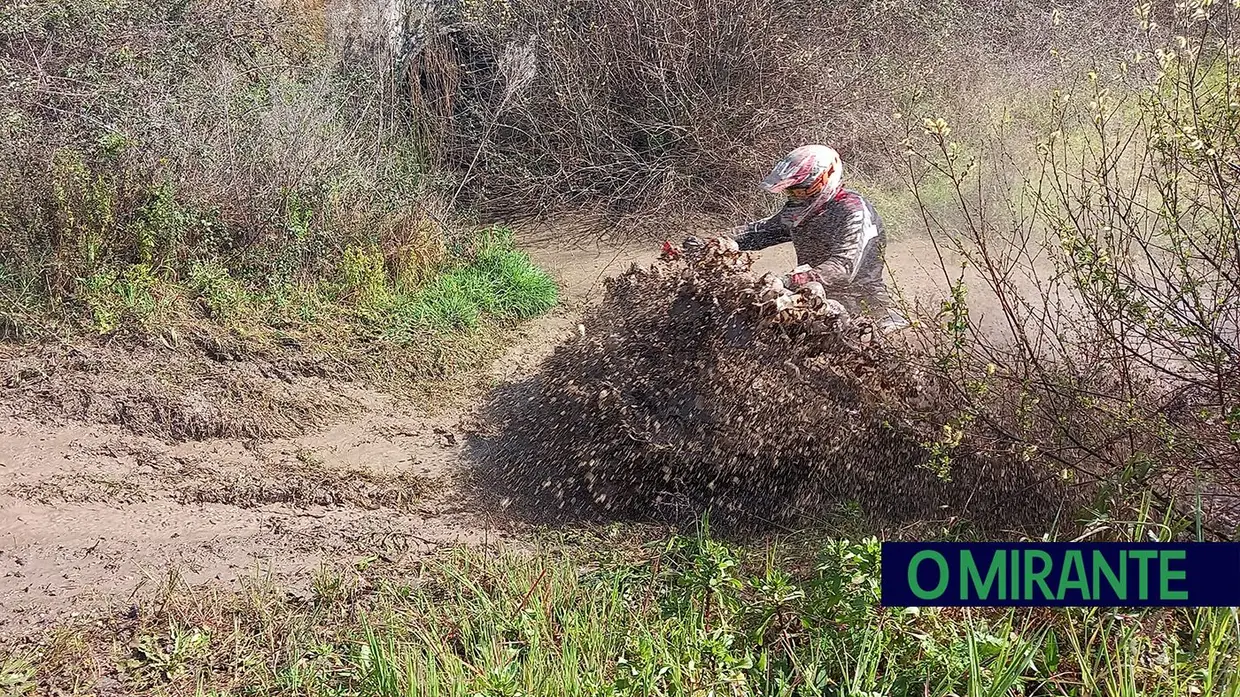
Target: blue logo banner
column 1060, row 574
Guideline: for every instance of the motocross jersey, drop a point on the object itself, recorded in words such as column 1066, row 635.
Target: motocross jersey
column 841, row 239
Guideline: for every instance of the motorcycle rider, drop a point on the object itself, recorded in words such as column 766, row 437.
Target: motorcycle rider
column 838, row 236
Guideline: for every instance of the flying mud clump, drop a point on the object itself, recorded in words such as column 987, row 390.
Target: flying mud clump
column 695, row 385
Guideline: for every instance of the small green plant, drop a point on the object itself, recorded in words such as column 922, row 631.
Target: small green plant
column 224, row 297
column 168, row 657
column 363, row 276
column 132, row 295
column 329, row 588
column 83, row 210
column 940, row 450
column 112, row 144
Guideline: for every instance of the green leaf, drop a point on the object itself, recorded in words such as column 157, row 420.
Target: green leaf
column 1051, row 652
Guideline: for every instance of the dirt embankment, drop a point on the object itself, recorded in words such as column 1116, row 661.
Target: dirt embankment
column 120, row 464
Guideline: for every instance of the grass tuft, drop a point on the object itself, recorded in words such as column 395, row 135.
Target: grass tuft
column 493, row 279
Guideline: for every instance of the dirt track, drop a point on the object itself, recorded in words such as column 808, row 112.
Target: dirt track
column 91, row 513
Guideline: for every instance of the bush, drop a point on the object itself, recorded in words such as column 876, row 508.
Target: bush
column 643, row 106
column 1115, row 265
column 176, row 134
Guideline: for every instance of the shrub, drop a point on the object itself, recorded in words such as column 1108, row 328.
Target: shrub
column 128, row 295
column 225, row 298
column 641, row 106
column 1115, row 269
column 205, row 136
column 363, row 276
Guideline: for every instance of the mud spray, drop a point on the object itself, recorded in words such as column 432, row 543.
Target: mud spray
column 695, row 386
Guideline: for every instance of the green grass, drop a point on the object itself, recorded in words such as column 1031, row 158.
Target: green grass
column 494, row 280
column 684, row 616
column 391, row 334
column 488, row 281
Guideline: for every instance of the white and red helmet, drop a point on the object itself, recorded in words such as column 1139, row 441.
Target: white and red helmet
column 811, row 172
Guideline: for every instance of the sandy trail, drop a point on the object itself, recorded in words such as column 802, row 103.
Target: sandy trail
column 91, row 514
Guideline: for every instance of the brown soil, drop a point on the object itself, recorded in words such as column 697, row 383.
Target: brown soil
column 121, row 464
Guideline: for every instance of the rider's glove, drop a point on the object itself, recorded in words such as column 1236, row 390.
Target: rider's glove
column 799, row 276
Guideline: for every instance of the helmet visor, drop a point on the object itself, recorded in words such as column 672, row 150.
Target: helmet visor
column 775, row 182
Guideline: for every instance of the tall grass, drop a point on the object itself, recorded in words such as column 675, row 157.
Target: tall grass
column 686, row 615
column 145, row 141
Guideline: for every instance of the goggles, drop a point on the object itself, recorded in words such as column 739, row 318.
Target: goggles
column 803, row 193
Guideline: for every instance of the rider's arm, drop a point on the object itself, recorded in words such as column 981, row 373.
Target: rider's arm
column 829, row 273
column 761, row 234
